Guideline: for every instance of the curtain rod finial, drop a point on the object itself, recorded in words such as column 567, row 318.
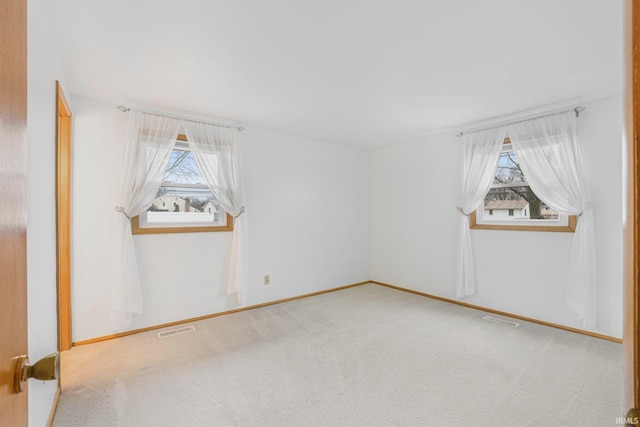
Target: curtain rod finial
column 579, row 109
column 123, row 108
column 460, row 134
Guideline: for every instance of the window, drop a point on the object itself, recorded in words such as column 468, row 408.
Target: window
column 184, row 202
column 511, row 204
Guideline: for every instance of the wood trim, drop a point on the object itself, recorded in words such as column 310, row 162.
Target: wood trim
column 570, row 228
column 63, row 218
column 631, row 260
column 503, row 313
column 210, row 316
column 61, row 100
column 54, row 407
column 452, row 301
column 135, row 228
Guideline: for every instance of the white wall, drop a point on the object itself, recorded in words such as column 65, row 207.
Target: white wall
column 43, row 71
column 307, row 224
column 414, row 191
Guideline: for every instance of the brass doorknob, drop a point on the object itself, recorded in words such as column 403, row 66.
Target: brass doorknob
column 45, row 369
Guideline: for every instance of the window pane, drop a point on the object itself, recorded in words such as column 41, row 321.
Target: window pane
column 182, row 169
column 184, row 205
column 511, row 198
column 508, row 170
column 184, row 202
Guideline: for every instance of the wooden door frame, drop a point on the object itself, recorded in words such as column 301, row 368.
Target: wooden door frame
column 631, row 341
column 63, row 218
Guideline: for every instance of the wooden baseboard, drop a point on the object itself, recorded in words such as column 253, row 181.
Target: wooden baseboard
column 54, row 406
column 503, row 313
column 209, row 316
column 399, row 288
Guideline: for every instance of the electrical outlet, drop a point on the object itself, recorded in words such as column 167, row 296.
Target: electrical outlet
column 267, row 279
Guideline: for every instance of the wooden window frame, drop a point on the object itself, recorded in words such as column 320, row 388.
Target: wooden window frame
column 136, row 229
column 569, row 228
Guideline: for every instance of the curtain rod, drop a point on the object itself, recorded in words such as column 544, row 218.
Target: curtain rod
column 126, row 109
column 577, row 110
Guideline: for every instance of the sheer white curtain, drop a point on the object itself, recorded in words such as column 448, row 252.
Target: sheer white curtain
column 550, row 159
column 215, row 149
column 481, row 151
column 150, row 140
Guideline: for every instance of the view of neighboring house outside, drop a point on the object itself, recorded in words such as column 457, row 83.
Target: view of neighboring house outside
column 548, row 213
column 170, row 208
column 510, row 198
column 171, row 203
column 511, row 210
column 209, row 207
column 500, row 210
column 183, row 199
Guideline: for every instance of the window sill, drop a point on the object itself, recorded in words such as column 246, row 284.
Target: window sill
column 570, row 228
column 136, row 229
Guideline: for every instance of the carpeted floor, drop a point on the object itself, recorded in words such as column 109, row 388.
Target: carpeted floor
column 364, row 356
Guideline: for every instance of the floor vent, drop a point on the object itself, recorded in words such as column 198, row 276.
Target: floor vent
column 174, row 332
column 501, row 321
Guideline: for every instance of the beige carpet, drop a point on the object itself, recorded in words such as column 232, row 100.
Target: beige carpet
column 365, row 356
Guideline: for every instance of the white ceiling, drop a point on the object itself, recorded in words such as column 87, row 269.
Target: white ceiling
column 364, row 73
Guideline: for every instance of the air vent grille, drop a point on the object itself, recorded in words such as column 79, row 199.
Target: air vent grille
column 501, row 321
column 174, row 332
